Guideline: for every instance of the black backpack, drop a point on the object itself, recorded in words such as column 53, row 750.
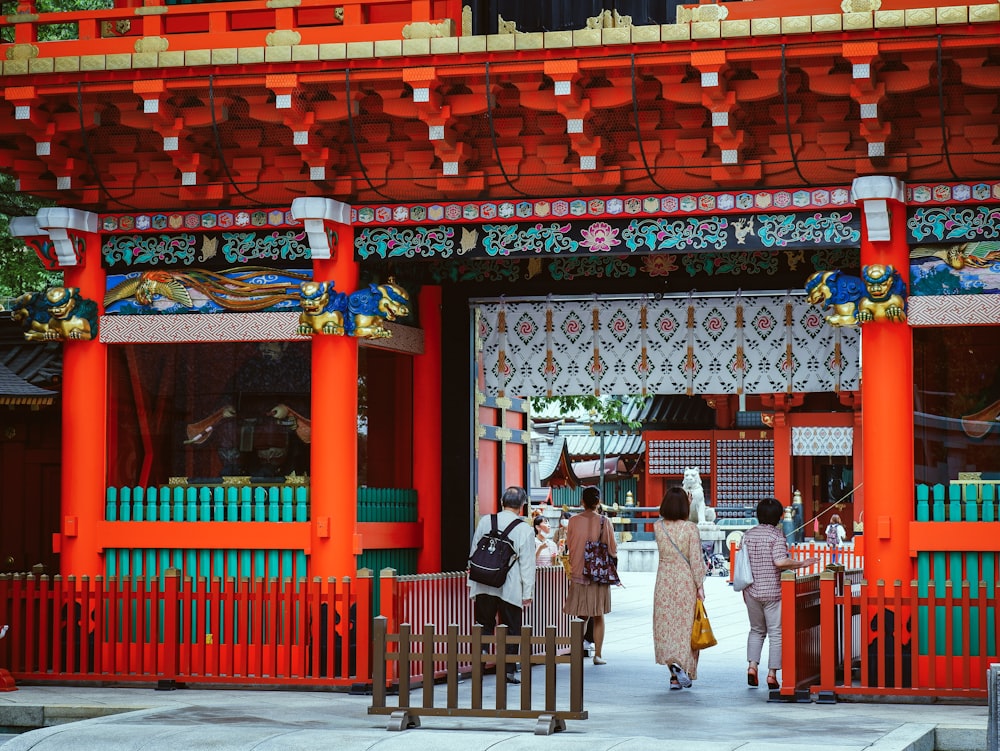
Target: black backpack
column 494, row 555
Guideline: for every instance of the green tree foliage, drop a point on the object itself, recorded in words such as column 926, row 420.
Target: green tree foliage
column 606, row 409
column 20, row 269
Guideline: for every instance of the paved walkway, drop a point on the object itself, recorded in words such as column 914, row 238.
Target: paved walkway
column 629, row 703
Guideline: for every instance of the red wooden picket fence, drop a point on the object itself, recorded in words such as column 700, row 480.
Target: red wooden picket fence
column 851, row 558
column 442, row 600
column 293, row 632
column 181, row 630
column 845, row 636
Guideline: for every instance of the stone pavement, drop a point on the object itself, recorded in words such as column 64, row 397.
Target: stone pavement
column 628, row 701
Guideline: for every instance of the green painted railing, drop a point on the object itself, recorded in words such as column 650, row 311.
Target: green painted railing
column 221, row 563
column 614, row 492
column 937, row 570
column 403, row 560
column 387, row 505
column 247, row 503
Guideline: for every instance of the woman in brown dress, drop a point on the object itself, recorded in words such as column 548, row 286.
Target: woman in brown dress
column 679, row 582
column 585, row 598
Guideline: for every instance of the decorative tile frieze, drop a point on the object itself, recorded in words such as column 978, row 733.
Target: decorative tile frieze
column 953, row 310
column 236, row 327
column 233, row 327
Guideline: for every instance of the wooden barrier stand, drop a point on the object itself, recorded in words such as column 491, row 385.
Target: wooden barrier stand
column 459, row 650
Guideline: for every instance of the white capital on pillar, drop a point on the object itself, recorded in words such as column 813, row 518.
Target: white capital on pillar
column 873, row 192
column 56, row 222
column 315, row 213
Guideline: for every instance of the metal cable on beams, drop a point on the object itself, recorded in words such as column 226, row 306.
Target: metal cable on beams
column 218, row 146
column 354, row 138
column 638, row 131
column 944, row 129
column 493, row 137
column 788, row 119
column 90, row 154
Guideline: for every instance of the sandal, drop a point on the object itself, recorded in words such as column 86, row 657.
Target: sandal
column 772, row 682
column 752, row 677
column 675, row 684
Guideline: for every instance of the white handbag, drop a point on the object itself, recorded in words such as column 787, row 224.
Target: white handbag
column 742, row 575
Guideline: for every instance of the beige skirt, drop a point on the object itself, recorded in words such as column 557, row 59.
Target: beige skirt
column 587, row 599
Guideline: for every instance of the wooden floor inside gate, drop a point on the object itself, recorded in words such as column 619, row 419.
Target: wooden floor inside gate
column 407, row 661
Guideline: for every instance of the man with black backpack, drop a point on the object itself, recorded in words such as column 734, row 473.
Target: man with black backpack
column 502, row 569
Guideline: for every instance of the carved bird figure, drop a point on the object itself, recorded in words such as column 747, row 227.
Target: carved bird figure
column 148, row 285
column 288, row 417
column 201, row 431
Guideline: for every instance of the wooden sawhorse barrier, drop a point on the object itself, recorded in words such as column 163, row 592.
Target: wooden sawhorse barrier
column 470, row 652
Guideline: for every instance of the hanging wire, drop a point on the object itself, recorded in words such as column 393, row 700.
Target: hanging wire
column 218, row 145
column 638, row 132
column 493, row 137
column 90, row 155
column 354, row 137
column 788, row 118
column 944, row 134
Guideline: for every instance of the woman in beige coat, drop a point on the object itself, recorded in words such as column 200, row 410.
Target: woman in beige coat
column 585, row 598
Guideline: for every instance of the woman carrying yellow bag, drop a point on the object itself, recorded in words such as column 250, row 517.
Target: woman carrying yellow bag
column 679, row 587
column 702, row 636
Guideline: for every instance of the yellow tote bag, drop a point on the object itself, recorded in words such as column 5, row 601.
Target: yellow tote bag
column 701, row 632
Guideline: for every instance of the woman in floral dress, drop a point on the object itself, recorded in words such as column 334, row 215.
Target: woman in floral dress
column 679, row 583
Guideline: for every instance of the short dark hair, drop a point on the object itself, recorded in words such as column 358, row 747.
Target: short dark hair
column 770, row 511
column 539, row 521
column 675, row 503
column 514, row 497
column 591, row 497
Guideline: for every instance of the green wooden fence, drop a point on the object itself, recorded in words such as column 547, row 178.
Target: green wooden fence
column 271, row 503
column 282, row 503
column 936, row 570
column 614, row 492
column 387, row 505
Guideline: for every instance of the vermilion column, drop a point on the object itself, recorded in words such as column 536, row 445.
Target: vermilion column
column 334, row 448
column 886, row 392
column 84, row 429
column 427, row 424
column 782, row 458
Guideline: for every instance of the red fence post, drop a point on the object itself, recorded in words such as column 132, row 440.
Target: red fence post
column 169, row 667
column 789, row 646
column 363, row 644
column 830, row 649
column 6, row 679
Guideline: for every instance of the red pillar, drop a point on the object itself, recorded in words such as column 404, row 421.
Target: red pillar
column 84, row 429
column 427, row 425
column 886, row 392
column 783, row 458
column 334, row 447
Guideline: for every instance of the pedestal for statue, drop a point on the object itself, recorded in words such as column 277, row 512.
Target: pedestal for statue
column 710, row 532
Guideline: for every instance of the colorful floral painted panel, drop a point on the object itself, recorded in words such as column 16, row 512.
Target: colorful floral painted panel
column 622, row 237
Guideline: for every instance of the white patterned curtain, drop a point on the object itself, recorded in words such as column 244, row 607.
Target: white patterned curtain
column 741, row 343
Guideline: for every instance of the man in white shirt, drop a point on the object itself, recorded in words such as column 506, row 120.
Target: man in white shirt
column 507, row 602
